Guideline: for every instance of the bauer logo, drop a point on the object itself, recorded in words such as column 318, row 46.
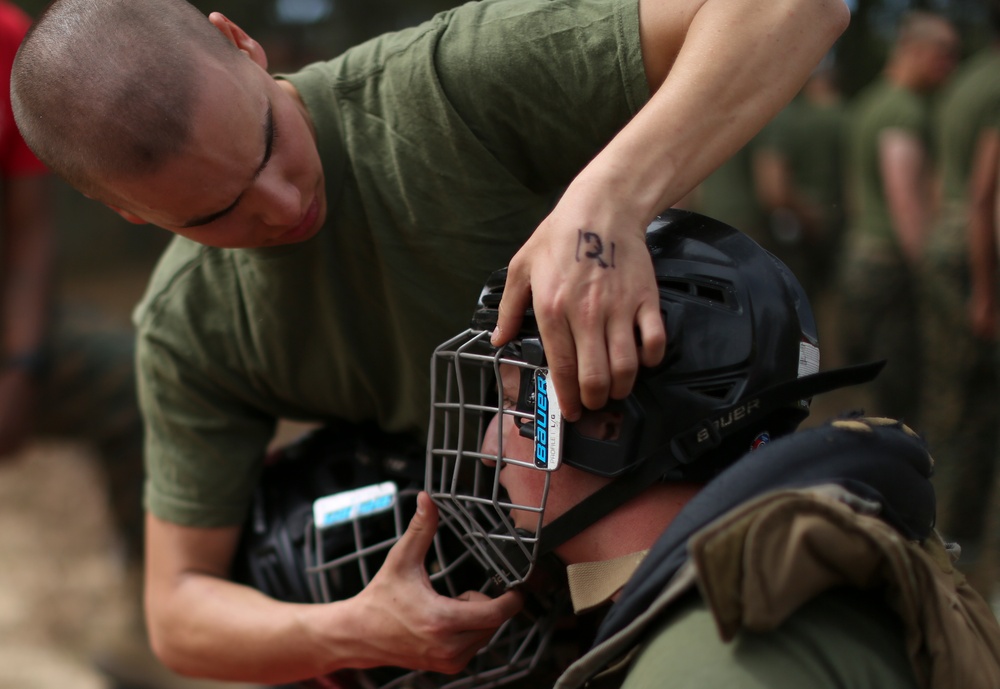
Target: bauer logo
column 548, row 423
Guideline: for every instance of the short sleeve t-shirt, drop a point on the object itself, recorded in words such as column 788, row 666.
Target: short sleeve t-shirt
column 970, row 104
column 443, row 147
column 810, row 138
column 880, row 107
column 969, row 107
column 839, row 640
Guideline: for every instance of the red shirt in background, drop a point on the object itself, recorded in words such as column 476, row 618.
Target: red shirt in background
column 16, row 159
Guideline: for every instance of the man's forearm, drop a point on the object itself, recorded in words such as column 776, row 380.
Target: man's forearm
column 215, row 629
column 203, row 625
column 740, row 63
column 902, row 162
column 982, row 241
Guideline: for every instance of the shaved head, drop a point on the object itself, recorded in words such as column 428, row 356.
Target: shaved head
column 919, row 26
column 105, row 89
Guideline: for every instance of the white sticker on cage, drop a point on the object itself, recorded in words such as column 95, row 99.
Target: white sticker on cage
column 348, row 505
column 808, row 359
column 548, row 423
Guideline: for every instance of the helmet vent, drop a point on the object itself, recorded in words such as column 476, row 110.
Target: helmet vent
column 717, row 294
column 718, row 391
column 710, row 292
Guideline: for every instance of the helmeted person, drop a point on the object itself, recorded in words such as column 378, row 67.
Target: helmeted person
column 721, row 547
column 328, row 509
column 335, row 223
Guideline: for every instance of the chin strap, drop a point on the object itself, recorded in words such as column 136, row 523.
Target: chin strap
column 690, row 445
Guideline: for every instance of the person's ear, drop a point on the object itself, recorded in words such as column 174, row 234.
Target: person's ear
column 240, row 38
column 603, row 424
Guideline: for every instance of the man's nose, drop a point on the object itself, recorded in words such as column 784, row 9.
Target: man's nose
column 490, row 446
column 278, row 203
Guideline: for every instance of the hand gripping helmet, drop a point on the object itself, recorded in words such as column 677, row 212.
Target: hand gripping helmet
column 327, row 509
column 741, row 366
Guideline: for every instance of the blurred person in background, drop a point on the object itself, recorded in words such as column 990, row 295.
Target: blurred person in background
column 728, row 195
column 889, row 187
column 798, row 174
column 961, row 399
column 65, row 374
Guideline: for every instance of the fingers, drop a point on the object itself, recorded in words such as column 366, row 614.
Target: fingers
column 589, row 302
column 465, row 625
column 590, row 362
column 505, row 606
column 510, row 313
column 560, row 355
column 652, row 333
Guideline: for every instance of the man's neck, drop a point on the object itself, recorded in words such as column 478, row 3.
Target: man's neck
column 633, row 527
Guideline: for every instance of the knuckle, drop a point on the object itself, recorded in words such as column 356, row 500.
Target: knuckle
column 656, row 339
column 594, row 389
column 449, row 658
column 549, row 309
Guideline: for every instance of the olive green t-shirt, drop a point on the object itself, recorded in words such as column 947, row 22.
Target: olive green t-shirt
column 443, row 147
column 970, row 104
column 879, row 107
column 728, row 194
column 810, row 138
column 969, row 107
column 839, row 640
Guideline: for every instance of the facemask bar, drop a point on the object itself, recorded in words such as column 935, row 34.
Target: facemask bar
column 364, row 524
column 468, row 377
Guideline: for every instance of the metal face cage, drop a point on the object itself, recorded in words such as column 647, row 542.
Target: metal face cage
column 475, row 385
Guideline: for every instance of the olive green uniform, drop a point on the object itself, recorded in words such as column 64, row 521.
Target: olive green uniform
column 879, row 318
column 443, row 147
column 809, row 137
column 962, row 396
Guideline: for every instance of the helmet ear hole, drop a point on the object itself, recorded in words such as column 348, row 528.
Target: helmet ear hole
column 603, row 424
column 721, row 391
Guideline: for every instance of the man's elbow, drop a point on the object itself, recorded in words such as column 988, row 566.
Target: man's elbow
column 835, row 17
column 823, row 20
column 167, row 643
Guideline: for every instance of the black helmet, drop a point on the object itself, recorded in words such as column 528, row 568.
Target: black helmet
column 327, row 510
column 741, row 364
column 286, row 554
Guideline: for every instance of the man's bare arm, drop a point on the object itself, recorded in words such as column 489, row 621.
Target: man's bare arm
column 719, row 70
column 902, row 164
column 203, row 625
column 982, row 241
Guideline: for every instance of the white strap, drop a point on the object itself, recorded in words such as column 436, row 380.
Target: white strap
column 594, row 583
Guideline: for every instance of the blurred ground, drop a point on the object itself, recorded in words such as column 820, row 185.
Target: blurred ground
column 66, row 600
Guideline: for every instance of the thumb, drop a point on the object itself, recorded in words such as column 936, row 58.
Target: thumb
column 419, row 535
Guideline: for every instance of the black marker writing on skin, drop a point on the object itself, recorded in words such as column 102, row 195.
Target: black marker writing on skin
column 593, row 247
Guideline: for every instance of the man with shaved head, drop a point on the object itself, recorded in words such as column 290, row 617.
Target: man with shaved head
column 334, row 224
